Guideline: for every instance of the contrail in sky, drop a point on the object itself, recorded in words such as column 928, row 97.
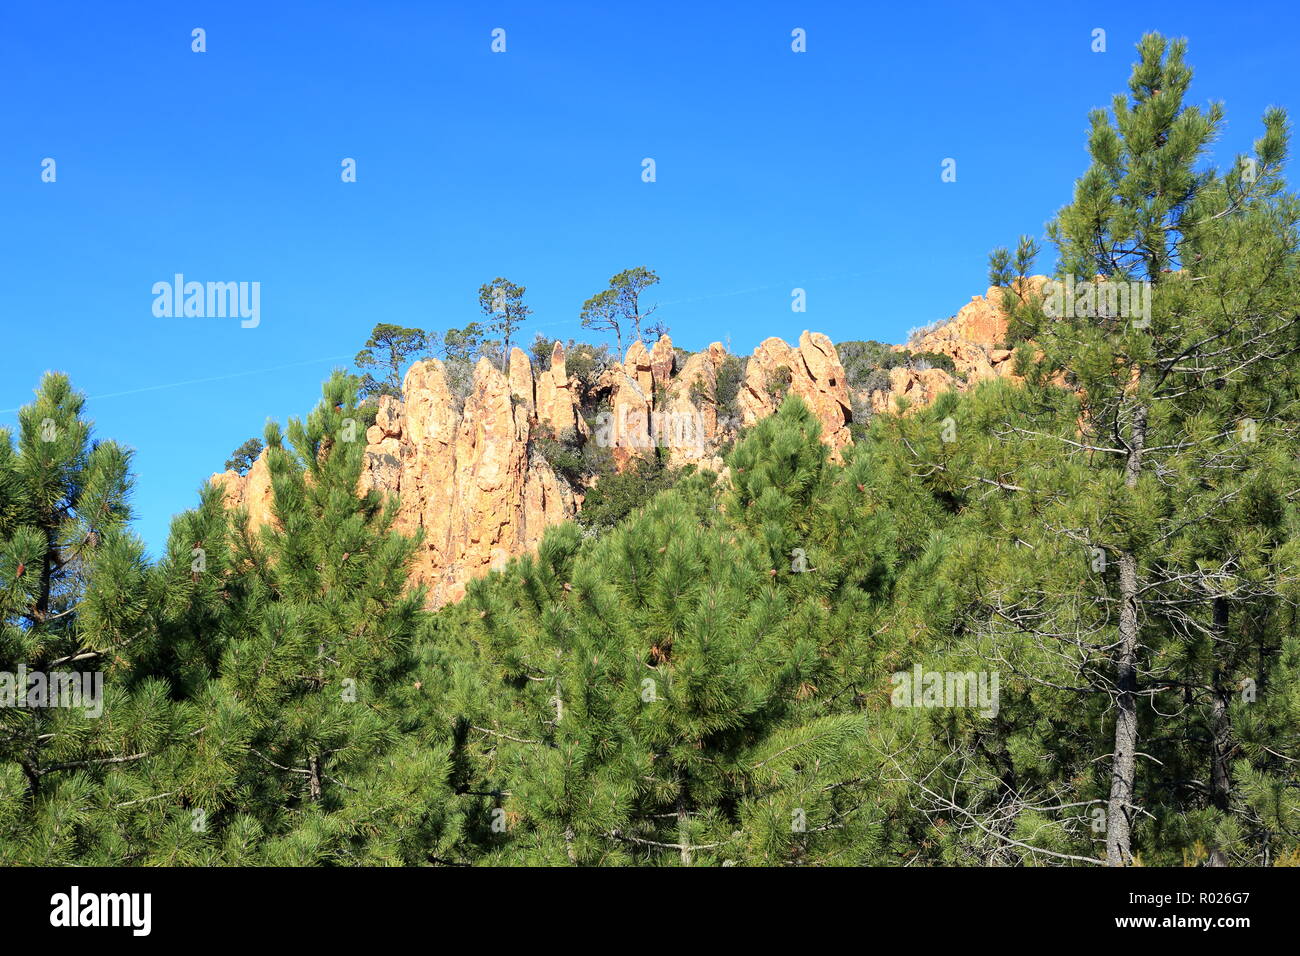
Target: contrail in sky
column 210, row 378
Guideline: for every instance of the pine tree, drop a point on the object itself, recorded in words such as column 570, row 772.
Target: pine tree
column 502, row 304
column 73, row 582
column 388, row 350
column 600, row 313
column 306, row 631
column 1166, row 493
column 618, row 306
column 658, row 687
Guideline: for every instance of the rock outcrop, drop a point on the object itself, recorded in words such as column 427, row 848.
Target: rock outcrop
column 973, row 339
column 812, row 371
column 251, row 491
column 690, row 408
column 471, row 481
column 557, row 397
column 919, row 386
column 470, row 476
column 631, row 387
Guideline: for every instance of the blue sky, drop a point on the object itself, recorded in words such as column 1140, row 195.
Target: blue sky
column 775, row 170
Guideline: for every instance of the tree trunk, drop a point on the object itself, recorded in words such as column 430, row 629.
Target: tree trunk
column 1220, row 731
column 41, row 612
column 33, row 780
column 315, row 781
column 316, row 790
column 1124, row 758
column 683, row 830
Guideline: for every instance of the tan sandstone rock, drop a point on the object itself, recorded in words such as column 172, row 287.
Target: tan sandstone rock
column 472, row 481
column 632, row 400
column 812, row 371
column 557, row 399
column 973, row 338
column 467, row 479
column 919, row 387
column 688, row 423
column 251, row 491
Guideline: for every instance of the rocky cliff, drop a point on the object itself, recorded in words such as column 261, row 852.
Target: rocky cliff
column 973, row 339
column 471, row 477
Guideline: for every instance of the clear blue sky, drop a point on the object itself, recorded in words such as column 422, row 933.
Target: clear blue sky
column 775, row 170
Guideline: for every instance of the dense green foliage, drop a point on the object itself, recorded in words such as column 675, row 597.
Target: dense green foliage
column 573, row 456
column 708, row 670
column 618, row 494
column 867, row 363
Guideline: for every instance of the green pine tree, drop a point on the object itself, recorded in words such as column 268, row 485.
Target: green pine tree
column 1155, row 479
column 73, row 607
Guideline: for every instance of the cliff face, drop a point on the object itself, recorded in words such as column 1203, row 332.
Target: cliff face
column 812, row 371
column 251, row 491
column 972, row 339
column 474, row 482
